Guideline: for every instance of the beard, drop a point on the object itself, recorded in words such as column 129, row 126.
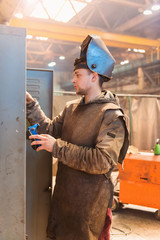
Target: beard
column 80, row 91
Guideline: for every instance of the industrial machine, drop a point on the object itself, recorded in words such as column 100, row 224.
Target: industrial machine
column 139, row 181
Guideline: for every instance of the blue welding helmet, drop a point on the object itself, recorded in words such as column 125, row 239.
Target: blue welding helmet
column 98, row 57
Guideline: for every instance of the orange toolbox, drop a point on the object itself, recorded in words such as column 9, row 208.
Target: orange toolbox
column 139, row 180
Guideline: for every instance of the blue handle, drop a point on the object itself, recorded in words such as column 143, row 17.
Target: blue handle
column 33, row 131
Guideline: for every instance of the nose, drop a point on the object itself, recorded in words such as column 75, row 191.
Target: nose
column 73, row 79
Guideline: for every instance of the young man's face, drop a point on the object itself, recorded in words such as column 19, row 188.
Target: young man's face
column 82, row 81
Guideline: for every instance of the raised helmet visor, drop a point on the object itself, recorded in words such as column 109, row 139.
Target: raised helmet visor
column 98, row 57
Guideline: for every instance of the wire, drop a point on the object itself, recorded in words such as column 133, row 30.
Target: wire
column 121, row 230
column 123, row 233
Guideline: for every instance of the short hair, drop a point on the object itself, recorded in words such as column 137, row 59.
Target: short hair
column 101, row 80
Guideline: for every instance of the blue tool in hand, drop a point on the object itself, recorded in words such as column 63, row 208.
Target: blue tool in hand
column 32, row 130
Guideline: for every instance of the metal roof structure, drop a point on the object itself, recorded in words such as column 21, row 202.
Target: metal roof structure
column 132, row 37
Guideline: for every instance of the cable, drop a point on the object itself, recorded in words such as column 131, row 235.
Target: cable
column 123, row 233
column 121, row 230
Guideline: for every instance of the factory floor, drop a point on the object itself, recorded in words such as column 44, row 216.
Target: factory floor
column 135, row 223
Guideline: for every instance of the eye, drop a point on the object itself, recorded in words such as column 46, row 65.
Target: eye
column 77, row 75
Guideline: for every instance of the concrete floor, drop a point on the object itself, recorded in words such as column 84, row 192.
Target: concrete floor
column 135, row 223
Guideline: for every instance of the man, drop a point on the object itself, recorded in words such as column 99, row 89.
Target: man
column 88, row 137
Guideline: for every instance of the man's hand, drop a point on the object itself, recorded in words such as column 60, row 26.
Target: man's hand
column 46, row 141
column 29, row 98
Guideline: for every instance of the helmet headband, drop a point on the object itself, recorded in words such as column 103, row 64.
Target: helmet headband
column 80, row 63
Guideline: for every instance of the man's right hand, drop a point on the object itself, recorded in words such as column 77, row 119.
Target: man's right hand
column 29, row 98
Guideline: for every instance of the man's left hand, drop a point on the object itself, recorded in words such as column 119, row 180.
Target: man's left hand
column 46, row 141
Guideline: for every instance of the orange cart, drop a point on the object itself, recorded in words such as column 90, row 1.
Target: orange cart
column 139, row 181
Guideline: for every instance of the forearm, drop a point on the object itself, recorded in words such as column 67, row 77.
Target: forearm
column 36, row 115
column 47, row 126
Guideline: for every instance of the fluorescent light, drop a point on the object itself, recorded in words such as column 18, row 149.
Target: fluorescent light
column 124, row 62
column 51, row 64
column 156, row 7
column 142, row 51
column 29, row 36
column 19, row 15
column 129, row 49
column 147, row 12
column 135, row 50
column 62, row 57
column 42, row 38
column 139, row 50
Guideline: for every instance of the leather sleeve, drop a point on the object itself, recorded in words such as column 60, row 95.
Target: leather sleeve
column 47, row 126
column 104, row 155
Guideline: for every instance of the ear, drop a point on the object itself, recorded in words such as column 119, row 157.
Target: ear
column 94, row 76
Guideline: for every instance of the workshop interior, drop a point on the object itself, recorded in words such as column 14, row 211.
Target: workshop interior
column 39, row 41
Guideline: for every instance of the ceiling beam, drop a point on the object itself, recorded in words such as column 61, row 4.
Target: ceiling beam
column 77, row 34
column 43, row 53
column 36, row 62
column 103, row 17
column 129, row 3
column 135, row 21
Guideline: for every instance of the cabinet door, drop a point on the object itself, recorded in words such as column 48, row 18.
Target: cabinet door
column 39, row 164
column 12, row 133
